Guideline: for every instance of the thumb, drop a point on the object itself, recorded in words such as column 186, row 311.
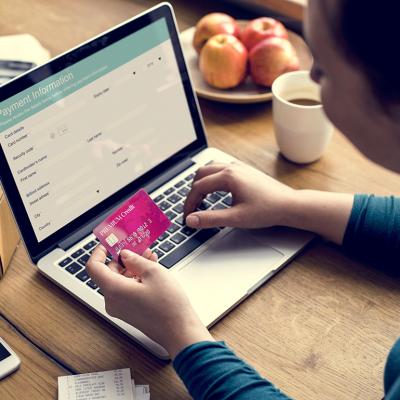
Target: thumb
column 213, row 218
column 136, row 264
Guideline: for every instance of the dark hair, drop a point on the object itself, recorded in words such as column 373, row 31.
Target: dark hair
column 370, row 36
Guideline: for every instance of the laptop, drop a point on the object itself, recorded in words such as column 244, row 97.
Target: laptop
column 82, row 133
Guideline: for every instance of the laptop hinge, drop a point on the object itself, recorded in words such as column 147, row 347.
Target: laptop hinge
column 150, row 187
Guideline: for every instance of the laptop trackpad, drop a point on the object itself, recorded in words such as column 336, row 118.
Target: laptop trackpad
column 219, row 277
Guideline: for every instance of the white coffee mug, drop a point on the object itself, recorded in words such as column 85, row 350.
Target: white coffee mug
column 302, row 131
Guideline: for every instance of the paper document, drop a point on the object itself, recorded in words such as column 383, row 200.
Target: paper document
column 106, row 385
column 140, row 392
column 19, row 53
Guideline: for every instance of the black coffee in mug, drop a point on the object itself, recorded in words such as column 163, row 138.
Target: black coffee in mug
column 305, row 102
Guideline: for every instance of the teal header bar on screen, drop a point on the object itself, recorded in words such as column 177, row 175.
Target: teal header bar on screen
column 71, row 79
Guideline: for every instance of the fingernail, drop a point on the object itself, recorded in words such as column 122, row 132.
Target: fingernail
column 193, row 221
column 147, row 253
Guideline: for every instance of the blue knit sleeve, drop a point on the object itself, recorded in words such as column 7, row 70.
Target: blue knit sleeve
column 392, row 373
column 211, row 371
column 373, row 231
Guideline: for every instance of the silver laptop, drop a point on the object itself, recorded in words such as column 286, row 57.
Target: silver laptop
column 85, row 131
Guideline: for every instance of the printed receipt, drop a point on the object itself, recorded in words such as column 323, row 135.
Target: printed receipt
column 105, row 385
column 140, row 392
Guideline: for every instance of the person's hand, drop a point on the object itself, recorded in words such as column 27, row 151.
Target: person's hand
column 145, row 295
column 258, row 200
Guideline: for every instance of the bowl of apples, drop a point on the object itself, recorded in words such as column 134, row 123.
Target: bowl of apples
column 236, row 61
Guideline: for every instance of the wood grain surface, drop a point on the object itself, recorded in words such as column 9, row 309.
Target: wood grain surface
column 37, row 375
column 320, row 329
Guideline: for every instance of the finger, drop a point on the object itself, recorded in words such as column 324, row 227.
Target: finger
column 150, row 255
column 153, row 257
column 208, row 170
column 128, row 274
column 201, row 188
column 100, row 252
column 101, row 256
column 215, row 218
column 114, row 266
column 147, row 253
column 136, row 264
column 99, row 272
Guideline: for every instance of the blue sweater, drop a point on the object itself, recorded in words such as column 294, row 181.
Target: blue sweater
column 210, row 370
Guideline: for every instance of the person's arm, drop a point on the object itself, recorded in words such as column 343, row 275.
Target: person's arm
column 147, row 296
column 367, row 226
column 261, row 201
column 373, row 231
column 210, row 370
column 324, row 213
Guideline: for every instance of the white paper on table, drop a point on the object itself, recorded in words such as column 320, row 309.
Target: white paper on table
column 23, row 48
column 140, row 392
column 18, row 54
column 105, row 385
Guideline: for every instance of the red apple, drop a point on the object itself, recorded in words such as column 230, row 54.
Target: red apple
column 260, row 29
column 223, row 61
column 213, row 24
column 270, row 58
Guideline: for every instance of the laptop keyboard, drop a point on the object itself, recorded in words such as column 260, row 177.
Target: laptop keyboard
column 173, row 245
column 180, row 240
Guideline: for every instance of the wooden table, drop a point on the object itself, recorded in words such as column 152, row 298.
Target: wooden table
column 321, row 329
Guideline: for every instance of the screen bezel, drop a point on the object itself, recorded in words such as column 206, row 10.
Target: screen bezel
column 37, row 249
column 7, row 352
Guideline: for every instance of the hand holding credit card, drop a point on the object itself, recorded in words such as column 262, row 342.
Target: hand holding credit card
column 134, row 226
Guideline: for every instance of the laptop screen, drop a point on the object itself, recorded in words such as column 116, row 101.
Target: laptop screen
column 77, row 137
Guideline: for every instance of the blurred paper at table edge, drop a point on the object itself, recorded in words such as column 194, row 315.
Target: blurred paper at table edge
column 102, row 385
column 19, row 53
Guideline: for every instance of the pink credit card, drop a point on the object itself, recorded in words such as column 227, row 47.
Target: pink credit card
column 134, row 226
